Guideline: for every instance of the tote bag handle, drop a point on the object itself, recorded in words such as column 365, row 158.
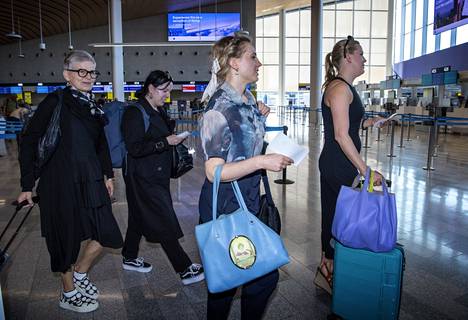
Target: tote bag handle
column 235, row 186
column 370, row 179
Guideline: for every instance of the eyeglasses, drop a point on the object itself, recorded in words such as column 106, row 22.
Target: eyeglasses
column 83, row 73
column 350, row 38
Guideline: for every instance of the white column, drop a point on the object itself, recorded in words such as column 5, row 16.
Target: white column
column 389, row 63
column 315, row 56
column 282, row 67
column 117, row 52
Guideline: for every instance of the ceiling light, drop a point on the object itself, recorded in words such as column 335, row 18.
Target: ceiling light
column 13, row 34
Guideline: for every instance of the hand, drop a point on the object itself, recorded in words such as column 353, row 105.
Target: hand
column 174, row 140
column 264, row 110
column 373, row 121
column 110, row 187
column 275, row 162
column 378, row 178
column 25, row 196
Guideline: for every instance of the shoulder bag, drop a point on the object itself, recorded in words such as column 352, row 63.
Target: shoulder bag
column 237, row 248
column 182, row 161
column 268, row 213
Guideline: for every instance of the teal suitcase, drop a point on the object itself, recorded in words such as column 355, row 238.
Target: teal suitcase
column 367, row 285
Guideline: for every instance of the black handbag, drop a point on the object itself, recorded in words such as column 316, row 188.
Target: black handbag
column 50, row 139
column 182, row 161
column 268, row 213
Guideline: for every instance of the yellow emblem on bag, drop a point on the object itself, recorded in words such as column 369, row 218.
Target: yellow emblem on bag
column 242, row 252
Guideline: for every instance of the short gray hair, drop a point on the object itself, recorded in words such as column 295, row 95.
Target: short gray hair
column 77, row 56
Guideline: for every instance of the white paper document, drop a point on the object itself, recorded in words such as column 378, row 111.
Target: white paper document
column 284, row 145
column 184, row 134
column 382, row 121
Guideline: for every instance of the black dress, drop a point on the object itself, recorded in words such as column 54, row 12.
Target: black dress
column 147, row 174
column 74, row 201
column 335, row 167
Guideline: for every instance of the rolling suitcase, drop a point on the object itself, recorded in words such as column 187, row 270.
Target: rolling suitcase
column 367, row 285
column 3, row 252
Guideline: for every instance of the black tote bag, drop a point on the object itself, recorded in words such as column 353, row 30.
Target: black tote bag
column 49, row 141
column 182, row 161
column 268, row 213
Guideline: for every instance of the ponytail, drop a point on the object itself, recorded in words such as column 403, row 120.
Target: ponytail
column 330, row 73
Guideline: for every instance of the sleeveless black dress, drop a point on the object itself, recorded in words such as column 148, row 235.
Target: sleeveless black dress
column 336, row 169
column 333, row 161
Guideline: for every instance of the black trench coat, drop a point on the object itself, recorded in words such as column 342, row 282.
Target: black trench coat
column 147, row 173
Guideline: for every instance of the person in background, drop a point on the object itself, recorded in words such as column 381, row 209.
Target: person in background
column 147, row 174
column 232, row 131
column 340, row 161
column 75, row 185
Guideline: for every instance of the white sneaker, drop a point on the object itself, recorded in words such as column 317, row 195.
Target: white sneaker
column 192, row 274
column 78, row 303
column 137, row 264
column 86, row 287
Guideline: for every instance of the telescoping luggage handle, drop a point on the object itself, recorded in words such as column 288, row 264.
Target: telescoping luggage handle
column 19, row 206
column 235, row 186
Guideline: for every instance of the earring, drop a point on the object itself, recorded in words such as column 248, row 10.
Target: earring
column 236, row 72
column 150, row 96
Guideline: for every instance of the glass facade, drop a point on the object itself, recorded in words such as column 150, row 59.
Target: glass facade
column 267, row 47
column 414, row 31
column 365, row 20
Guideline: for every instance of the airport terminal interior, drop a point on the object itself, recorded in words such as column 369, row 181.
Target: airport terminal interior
column 416, row 67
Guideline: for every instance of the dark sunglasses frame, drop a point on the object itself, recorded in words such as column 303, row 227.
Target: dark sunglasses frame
column 83, row 73
column 346, row 44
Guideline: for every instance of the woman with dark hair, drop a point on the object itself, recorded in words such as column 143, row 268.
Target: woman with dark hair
column 340, row 162
column 147, row 173
column 232, row 131
column 75, row 184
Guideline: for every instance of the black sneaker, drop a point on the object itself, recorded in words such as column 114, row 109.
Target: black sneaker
column 137, row 264
column 86, row 287
column 192, row 274
column 78, row 303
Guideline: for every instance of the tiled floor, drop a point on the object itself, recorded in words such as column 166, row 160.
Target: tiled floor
column 433, row 224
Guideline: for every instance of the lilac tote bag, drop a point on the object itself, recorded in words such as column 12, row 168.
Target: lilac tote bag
column 366, row 220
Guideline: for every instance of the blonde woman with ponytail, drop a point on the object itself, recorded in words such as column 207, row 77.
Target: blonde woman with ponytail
column 231, row 133
column 340, row 161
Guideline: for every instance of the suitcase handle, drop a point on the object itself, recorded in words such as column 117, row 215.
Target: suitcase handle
column 20, row 206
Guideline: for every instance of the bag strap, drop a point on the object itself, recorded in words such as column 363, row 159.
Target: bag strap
column 235, row 186
column 238, row 194
column 145, row 115
column 368, row 185
column 266, row 185
column 216, row 182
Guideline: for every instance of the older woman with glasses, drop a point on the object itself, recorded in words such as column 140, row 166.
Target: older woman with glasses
column 147, row 173
column 340, row 162
column 75, row 184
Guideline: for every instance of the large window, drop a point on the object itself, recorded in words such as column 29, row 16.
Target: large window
column 267, row 46
column 365, row 20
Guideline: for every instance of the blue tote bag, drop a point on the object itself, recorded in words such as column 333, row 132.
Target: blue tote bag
column 236, row 248
column 366, row 219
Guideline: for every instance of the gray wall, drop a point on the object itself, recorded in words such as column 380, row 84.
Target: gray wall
column 184, row 63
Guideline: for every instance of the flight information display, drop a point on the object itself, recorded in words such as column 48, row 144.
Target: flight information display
column 201, row 26
column 449, row 14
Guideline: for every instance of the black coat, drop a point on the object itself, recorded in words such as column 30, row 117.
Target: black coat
column 147, row 173
column 74, row 202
